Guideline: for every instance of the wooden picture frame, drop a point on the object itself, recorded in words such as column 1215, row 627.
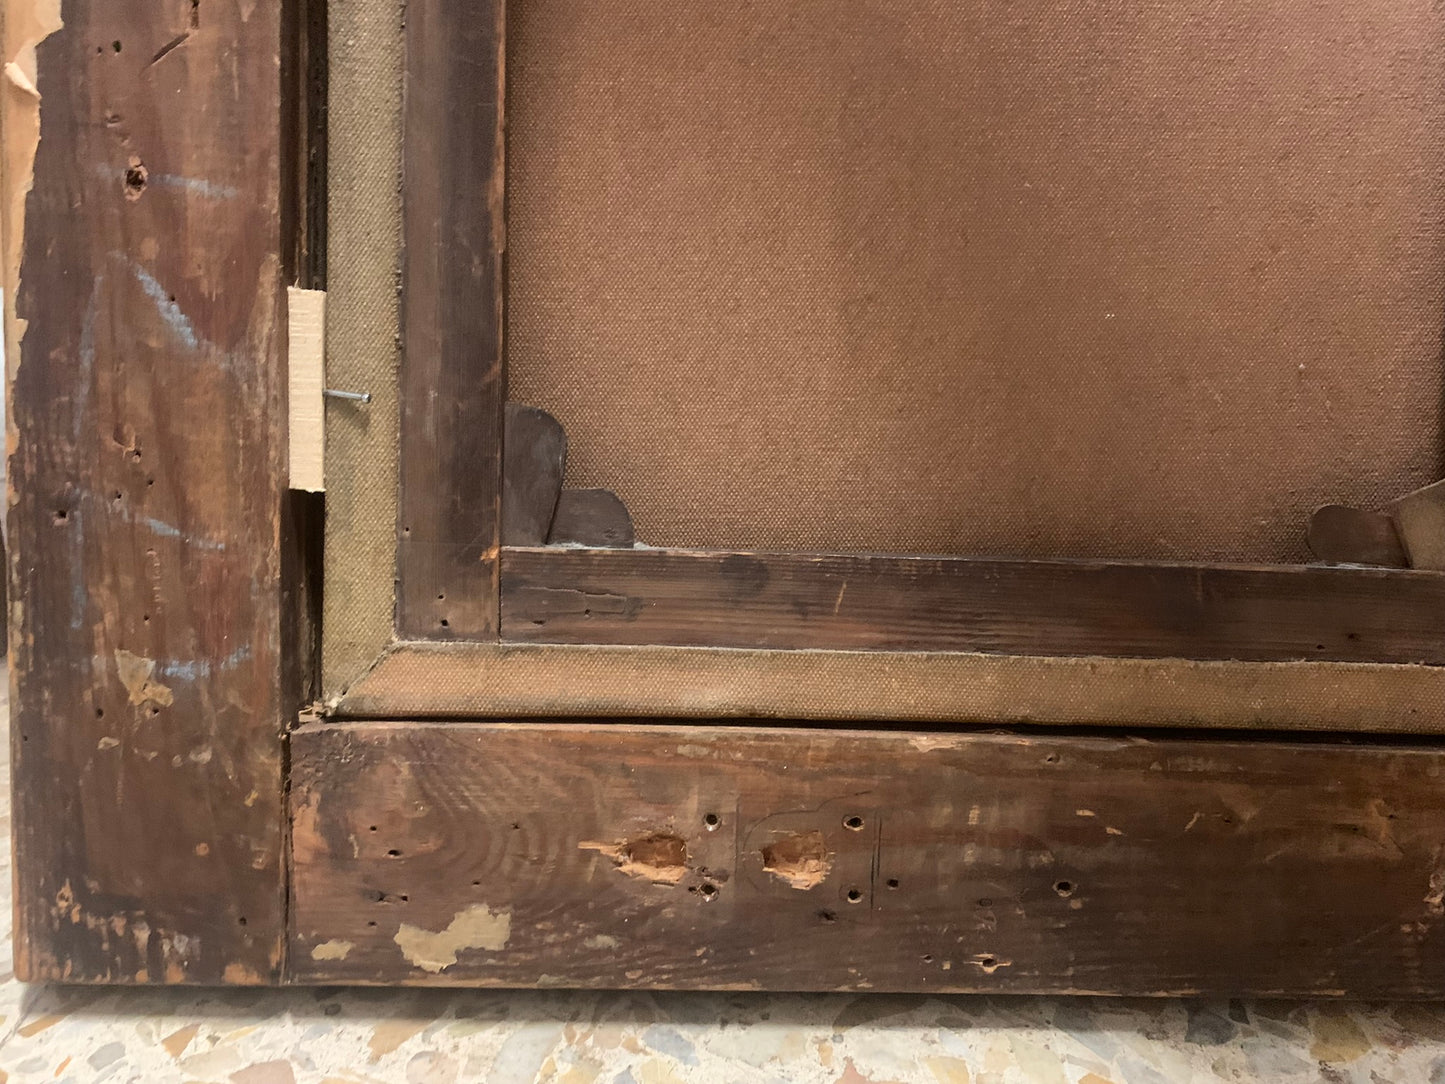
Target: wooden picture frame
column 527, row 780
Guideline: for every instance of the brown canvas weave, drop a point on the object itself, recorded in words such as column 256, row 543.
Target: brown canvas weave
column 1121, row 279
column 363, row 245
column 441, row 681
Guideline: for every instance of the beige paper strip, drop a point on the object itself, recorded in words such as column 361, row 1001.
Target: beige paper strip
column 306, row 370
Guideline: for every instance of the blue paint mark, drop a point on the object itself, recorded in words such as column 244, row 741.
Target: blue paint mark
column 669, row 1041
column 151, row 523
column 79, row 596
column 197, row 669
column 184, row 669
column 170, row 312
column 167, row 530
column 198, row 185
column 87, row 357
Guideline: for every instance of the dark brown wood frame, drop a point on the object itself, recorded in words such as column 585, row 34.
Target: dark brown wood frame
column 164, row 773
column 456, row 582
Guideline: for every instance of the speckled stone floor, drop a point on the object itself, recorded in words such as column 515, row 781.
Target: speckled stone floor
column 329, row 1036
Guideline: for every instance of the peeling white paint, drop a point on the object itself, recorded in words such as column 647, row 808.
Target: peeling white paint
column 476, row 927
column 335, row 949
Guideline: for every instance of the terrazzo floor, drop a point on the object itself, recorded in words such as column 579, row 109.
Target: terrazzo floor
column 330, row 1036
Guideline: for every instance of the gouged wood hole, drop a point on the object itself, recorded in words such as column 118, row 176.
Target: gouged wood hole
column 659, row 857
column 801, row 859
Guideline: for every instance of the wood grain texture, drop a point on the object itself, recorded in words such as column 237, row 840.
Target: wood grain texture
column 147, row 468
column 517, row 855
column 706, row 599
column 452, row 378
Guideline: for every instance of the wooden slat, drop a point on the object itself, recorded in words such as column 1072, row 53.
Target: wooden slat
column 709, row 599
column 452, row 385
column 624, row 856
column 147, row 470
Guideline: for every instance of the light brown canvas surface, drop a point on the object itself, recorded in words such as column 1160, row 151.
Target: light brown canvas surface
column 1132, row 279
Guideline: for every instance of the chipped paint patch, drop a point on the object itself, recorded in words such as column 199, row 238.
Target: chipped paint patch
column 241, row 975
column 136, row 673
column 335, row 949
column 1435, row 896
column 801, row 859
column 476, row 927
column 601, row 941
